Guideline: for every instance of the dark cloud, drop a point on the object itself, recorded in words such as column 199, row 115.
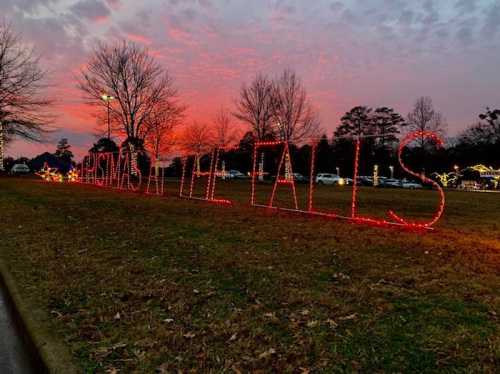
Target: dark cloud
column 91, row 9
column 465, row 35
column 406, row 17
column 27, row 7
column 466, row 6
column 431, row 13
column 336, row 6
column 492, row 20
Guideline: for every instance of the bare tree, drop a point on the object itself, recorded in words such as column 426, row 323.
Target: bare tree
column 23, row 109
column 136, row 81
column 425, row 118
column 225, row 133
column 197, row 138
column 294, row 117
column 160, row 126
column 254, row 107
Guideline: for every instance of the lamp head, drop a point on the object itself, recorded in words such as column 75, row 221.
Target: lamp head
column 106, row 97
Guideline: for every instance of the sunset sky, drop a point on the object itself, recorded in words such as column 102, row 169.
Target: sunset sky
column 350, row 52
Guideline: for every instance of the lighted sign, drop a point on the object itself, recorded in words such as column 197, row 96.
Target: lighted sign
column 49, row 174
column 354, row 216
column 120, row 170
column 486, row 172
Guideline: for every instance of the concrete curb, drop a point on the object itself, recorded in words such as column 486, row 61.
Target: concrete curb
column 48, row 355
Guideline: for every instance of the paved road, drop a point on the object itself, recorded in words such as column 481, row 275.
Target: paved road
column 13, row 358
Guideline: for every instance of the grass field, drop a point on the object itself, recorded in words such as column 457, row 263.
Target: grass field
column 139, row 283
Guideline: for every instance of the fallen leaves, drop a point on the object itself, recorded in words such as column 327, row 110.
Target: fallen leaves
column 349, row 317
column 268, row 353
column 312, row 323
column 331, row 323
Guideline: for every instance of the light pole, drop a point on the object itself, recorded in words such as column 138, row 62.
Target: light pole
column 391, row 168
column 375, row 175
column 107, row 99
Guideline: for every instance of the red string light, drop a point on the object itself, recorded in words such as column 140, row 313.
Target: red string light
column 354, row 178
column 216, row 173
column 156, row 174
column 254, row 170
column 183, row 176
column 212, row 174
column 268, row 144
column 286, row 162
column 311, row 178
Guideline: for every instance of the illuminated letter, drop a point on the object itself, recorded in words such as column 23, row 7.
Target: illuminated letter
column 407, row 140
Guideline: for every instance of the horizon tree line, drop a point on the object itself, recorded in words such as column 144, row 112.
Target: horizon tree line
column 147, row 112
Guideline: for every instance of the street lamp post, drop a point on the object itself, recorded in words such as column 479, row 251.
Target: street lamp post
column 375, row 175
column 107, row 99
column 391, row 168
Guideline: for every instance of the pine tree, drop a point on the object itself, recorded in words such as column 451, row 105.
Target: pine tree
column 63, row 150
column 387, row 124
column 356, row 122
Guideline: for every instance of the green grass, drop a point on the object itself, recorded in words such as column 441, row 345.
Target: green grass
column 140, row 283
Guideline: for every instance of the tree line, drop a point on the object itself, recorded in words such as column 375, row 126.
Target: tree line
column 136, row 100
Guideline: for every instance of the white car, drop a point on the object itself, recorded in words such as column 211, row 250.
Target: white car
column 235, row 174
column 20, row 169
column 325, row 178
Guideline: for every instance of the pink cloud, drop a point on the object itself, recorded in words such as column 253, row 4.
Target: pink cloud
column 139, row 38
column 181, row 36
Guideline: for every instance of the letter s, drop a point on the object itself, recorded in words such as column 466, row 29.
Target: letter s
column 407, row 140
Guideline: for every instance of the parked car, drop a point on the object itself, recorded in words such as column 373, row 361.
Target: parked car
column 364, row 181
column 394, row 183
column 411, row 185
column 299, row 178
column 19, row 169
column 325, row 178
column 236, row 174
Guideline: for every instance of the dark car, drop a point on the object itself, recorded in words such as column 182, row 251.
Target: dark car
column 299, row 178
column 364, row 181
